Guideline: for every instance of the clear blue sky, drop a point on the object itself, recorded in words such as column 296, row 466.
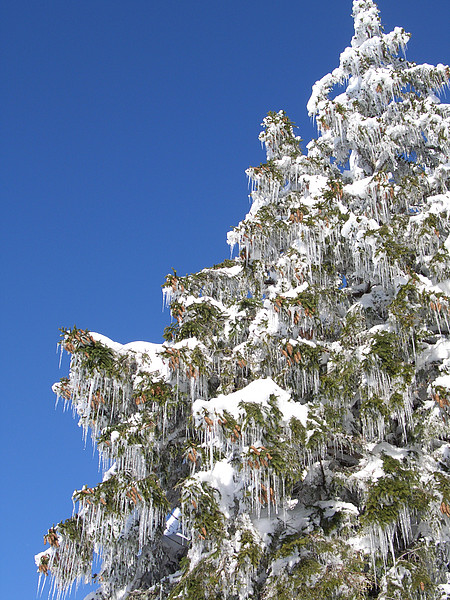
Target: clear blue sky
column 126, row 127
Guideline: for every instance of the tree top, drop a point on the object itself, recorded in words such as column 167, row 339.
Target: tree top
column 367, row 21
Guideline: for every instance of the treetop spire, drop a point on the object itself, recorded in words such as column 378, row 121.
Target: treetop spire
column 367, row 21
column 382, row 92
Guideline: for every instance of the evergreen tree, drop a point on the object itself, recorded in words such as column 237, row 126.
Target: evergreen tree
column 290, row 437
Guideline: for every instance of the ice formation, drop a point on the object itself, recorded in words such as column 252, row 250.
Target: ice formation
column 290, row 437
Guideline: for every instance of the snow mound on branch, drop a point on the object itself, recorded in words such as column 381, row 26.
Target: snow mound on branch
column 259, row 392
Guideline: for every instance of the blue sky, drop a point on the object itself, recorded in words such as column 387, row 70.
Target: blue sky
column 126, row 129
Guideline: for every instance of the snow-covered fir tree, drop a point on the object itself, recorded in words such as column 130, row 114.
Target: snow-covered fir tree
column 290, row 438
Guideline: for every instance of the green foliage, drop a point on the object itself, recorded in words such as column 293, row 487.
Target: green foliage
column 103, row 495
column 119, row 490
column 71, row 528
column 334, row 191
column 251, row 304
column 95, row 356
column 201, row 320
column 308, row 301
column 354, row 324
column 268, row 169
column 341, row 380
column 204, row 582
column 285, row 133
column 283, row 461
column 414, row 575
column 171, row 332
column 151, row 491
column 149, row 390
column 319, row 569
column 298, row 431
column 443, row 485
column 280, row 118
column 202, row 511
column 399, row 489
column 250, row 551
column 373, row 406
column 385, row 347
column 225, row 264
column 265, row 417
column 254, row 414
column 405, row 303
column 230, row 426
column 396, row 251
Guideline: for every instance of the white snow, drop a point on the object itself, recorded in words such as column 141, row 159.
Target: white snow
column 259, row 392
column 221, row 477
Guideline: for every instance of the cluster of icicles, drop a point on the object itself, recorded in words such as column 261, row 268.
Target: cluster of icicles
column 263, row 487
column 100, row 402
